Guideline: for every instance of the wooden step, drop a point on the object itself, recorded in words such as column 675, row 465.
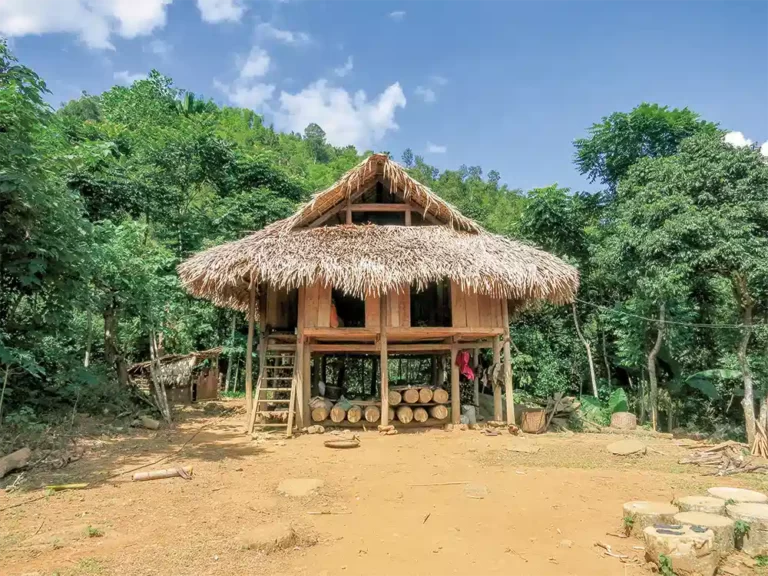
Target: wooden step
column 269, row 425
column 265, row 389
column 274, row 401
column 272, row 413
column 284, row 366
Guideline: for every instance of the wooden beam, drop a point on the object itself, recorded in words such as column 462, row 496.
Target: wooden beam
column 405, row 348
column 379, row 207
column 403, row 333
column 306, row 380
column 336, row 209
column 508, row 385
column 349, row 211
column 249, row 352
column 455, row 390
column 384, row 386
column 498, row 416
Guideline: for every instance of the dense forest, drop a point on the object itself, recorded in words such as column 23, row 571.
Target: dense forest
column 102, row 197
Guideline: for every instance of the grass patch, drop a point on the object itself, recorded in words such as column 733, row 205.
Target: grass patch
column 94, row 532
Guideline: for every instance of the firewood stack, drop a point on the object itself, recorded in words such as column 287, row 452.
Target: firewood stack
column 726, row 458
column 560, row 410
column 760, row 445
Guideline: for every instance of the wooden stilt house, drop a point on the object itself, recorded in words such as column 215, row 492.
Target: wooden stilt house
column 375, row 267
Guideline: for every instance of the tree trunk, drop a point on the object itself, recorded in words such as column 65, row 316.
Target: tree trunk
column 88, row 337
column 231, row 359
column 112, row 344
column 607, row 364
column 154, row 365
column 747, row 304
column 2, row 392
column 652, row 368
column 589, row 351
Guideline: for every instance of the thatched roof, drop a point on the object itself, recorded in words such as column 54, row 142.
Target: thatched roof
column 370, row 259
column 379, row 167
column 192, row 358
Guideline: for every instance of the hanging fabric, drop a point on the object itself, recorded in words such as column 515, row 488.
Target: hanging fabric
column 462, row 361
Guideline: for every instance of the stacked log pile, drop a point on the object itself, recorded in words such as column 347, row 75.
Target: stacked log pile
column 725, row 459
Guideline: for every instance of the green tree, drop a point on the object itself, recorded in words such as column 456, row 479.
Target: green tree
column 621, row 139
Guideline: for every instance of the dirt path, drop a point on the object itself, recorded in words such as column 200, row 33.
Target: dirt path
column 541, row 513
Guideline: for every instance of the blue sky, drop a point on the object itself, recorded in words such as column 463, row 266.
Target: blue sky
column 505, row 85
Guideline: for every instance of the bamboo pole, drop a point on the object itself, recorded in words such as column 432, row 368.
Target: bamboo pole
column 455, row 392
column 249, row 351
column 384, row 386
column 508, row 384
column 498, row 415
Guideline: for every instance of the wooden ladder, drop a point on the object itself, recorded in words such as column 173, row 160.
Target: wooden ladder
column 275, row 389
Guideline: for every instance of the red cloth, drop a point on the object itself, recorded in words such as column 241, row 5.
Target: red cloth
column 462, row 361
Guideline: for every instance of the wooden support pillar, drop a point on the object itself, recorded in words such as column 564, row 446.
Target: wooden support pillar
column 306, row 382
column 455, row 391
column 408, row 216
column 249, row 352
column 498, row 414
column 476, row 381
column 349, row 211
column 508, row 388
column 384, row 387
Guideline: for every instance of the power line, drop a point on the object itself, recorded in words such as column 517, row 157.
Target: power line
column 669, row 322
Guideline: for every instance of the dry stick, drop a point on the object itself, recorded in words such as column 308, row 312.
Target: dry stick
column 327, row 513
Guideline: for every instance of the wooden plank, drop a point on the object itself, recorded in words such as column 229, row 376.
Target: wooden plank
column 458, row 309
column 496, row 310
column 455, row 392
column 408, row 348
column 413, row 333
column 272, row 308
column 472, row 310
column 349, row 212
column 394, row 310
column 408, row 216
column 380, row 207
column 324, row 306
column 404, row 308
column 484, row 310
column 384, row 384
column 372, row 311
column 310, row 306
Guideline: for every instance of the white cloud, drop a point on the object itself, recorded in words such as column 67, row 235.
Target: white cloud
column 254, row 97
column 426, row 94
column 93, row 21
column 214, row 11
column 436, row 148
column 737, row 139
column 342, row 71
column 764, row 149
column 125, row 77
column 266, row 30
column 158, row 48
column 438, row 80
column 397, row 15
column 346, row 118
column 256, row 64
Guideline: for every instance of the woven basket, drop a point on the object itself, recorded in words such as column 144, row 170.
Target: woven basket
column 623, row 421
column 534, row 421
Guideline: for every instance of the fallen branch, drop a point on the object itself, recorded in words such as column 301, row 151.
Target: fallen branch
column 441, row 483
column 609, row 551
column 60, row 487
column 185, row 472
column 327, row 513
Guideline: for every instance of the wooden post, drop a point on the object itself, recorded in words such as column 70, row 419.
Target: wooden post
column 307, row 386
column 498, row 415
column 408, row 216
column 508, row 388
column 455, row 392
column 249, row 351
column 297, row 385
column 384, row 387
column 476, row 381
column 349, row 211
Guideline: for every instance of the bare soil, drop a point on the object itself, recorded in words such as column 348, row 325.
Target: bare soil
column 524, row 512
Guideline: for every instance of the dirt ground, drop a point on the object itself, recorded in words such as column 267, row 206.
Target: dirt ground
column 540, row 513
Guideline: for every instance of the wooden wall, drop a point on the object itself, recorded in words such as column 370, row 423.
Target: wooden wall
column 398, row 307
column 472, row 310
column 317, row 306
column 278, row 305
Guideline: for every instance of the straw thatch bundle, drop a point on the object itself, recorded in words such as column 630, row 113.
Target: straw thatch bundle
column 370, row 259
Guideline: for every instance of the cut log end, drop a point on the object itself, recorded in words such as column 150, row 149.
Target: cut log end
column 420, row 414
column 394, row 397
column 354, row 414
column 721, row 526
column 372, row 414
column 411, row 395
column 691, row 553
column 639, row 515
column 319, row 414
column 440, row 396
column 425, row 395
column 404, row 414
column 439, row 412
column 738, row 495
column 707, row 504
column 338, row 414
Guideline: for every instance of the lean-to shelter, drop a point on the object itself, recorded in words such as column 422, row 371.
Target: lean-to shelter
column 375, row 267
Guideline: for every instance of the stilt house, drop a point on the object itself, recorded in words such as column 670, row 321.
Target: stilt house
column 375, row 267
